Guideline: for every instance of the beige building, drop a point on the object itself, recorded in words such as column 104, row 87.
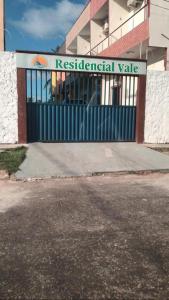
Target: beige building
column 2, row 25
column 123, row 28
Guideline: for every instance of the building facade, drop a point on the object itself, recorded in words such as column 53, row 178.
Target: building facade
column 121, row 28
column 2, row 37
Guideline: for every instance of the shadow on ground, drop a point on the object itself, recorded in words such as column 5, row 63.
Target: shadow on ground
column 86, row 238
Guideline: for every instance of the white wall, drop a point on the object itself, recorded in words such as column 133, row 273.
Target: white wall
column 159, row 24
column 97, row 34
column 83, row 46
column 118, row 13
column 157, row 107
column 8, row 98
column 156, row 59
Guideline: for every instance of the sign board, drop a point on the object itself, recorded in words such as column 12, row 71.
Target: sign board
column 81, row 64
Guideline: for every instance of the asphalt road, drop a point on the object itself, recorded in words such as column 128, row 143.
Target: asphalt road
column 85, row 238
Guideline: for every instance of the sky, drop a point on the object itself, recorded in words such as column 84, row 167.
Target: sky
column 39, row 25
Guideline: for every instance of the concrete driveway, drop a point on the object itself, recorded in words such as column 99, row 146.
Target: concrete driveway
column 81, row 159
column 85, row 238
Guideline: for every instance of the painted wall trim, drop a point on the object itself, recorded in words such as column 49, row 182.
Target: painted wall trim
column 140, row 109
column 22, row 112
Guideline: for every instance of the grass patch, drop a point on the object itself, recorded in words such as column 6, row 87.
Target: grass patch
column 11, row 159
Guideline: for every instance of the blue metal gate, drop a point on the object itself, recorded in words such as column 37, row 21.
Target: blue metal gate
column 80, row 107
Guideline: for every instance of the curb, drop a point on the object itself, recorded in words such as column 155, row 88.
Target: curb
column 139, row 172
column 95, row 174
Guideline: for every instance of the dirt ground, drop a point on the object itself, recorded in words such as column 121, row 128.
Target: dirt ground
column 85, row 238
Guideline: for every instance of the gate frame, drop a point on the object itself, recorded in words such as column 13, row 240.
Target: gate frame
column 22, row 109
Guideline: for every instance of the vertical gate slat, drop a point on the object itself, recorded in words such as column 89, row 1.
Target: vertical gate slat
column 60, row 123
column 134, row 123
column 109, row 124
column 114, row 118
column 104, row 121
column 87, row 124
column 80, row 123
column 69, row 124
column 120, row 123
column 49, row 122
column 112, row 127
column 84, row 122
column 38, row 125
column 98, row 123
column 123, row 123
column 66, row 112
column 40, row 122
column 94, row 123
column 91, row 123
column 52, row 123
column 64, row 123
column 126, row 124
column 44, row 121
column 72, row 122
column 130, row 128
column 76, row 122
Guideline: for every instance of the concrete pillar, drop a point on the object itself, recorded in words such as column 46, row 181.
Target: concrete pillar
column 83, row 45
column 167, row 59
column 22, row 114
column 140, row 115
column 2, row 25
column 97, row 36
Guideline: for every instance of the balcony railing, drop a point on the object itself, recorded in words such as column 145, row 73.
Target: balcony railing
column 139, row 17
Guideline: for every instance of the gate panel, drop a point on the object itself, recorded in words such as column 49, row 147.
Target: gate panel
column 78, row 107
column 50, row 122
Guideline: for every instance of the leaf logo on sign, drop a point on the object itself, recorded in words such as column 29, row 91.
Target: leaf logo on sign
column 39, row 62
